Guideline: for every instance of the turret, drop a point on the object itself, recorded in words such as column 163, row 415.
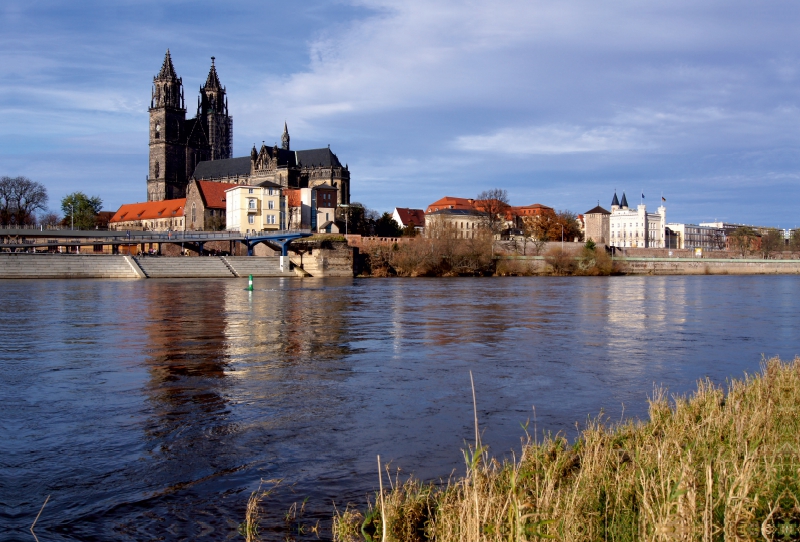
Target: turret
column 285, row 137
column 212, row 110
column 614, row 203
column 624, row 203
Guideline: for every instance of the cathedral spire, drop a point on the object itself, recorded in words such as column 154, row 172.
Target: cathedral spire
column 212, row 81
column 167, row 86
column 285, row 137
column 167, row 72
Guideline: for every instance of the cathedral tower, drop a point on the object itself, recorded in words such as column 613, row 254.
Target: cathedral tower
column 167, row 174
column 212, row 112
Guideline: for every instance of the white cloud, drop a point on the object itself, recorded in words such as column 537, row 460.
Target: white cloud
column 553, row 139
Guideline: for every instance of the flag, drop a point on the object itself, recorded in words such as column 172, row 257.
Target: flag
column 642, row 195
column 663, row 199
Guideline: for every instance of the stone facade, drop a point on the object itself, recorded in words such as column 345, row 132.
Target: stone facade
column 201, row 148
column 597, row 225
column 177, row 145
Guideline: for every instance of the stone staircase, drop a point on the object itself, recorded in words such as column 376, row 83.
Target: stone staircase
column 258, row 266
column 39, row 266
column 184, row 267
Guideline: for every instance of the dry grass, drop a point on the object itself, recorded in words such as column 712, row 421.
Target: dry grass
column 713, row 466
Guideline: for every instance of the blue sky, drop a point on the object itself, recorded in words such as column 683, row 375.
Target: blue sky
column 559, row 102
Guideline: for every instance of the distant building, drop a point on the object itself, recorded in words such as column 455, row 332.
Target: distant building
column 636, row 227
column 464, row 213
column 692, row 236
column 597, row 225
column 314, row 209
column 166, row 215
column 205, row 205
column 255, row 209
column 409, row 217
column 201, row 148
column 457, row 223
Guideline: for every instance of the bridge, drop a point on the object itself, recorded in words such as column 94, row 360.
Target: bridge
column 23, row 239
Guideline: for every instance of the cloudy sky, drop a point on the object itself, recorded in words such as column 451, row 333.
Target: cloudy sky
column 559, row 102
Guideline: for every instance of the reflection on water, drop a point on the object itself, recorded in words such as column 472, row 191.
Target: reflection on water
column 150, row 409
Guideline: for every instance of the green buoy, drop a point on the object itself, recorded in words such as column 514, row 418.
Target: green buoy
column 250, row 283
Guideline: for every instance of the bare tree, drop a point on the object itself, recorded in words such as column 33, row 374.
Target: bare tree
column 771, row 242
column 718, row 239
column 20, row 198
column 493, row 206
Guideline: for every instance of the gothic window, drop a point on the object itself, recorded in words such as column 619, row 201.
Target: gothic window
column 158, row 131
column 194, row 213
column 156, row 170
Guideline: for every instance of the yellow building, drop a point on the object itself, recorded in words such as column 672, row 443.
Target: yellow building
column 254, row 209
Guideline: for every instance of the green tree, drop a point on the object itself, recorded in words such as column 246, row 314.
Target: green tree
column 20, row 198
column 385, row 226
column 742, row 240
column 410, row 231
column 360, row 220
column 81, row 209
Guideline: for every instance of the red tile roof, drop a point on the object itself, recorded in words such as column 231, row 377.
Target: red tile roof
column 213, row 194
column 149, row 210
column 411, row 216
column 449, row 202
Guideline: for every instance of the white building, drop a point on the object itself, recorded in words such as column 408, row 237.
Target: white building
column 705, row 236
column 313, row 208
column 636, row 227
column 253, row 209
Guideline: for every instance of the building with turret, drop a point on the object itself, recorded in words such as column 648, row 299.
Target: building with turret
column 184, row 151
column 635, row 227
column 177, row 145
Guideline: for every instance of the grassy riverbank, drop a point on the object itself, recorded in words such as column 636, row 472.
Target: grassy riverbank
column 720, row 464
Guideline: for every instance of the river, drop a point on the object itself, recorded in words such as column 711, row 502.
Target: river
column 151, row 409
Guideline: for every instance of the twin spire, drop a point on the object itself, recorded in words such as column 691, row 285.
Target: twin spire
column 167, row 72
column 616, row 202
column 212, row 81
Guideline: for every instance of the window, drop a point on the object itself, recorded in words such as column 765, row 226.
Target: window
column 249, row 190
column 251, row 204
column 271, row 194
column 270, row 204
column 270, row 219
column 194, row 213
column 251, row 219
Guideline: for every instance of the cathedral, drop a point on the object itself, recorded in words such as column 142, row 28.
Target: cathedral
column 201, row 148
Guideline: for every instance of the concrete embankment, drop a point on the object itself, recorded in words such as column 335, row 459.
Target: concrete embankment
column 320, row 263
column 707, row 266
column 538, row 265
column 69, row 266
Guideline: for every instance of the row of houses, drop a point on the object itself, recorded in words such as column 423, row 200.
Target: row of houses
column 624, row 227
column 212, row 205
column 464, row 215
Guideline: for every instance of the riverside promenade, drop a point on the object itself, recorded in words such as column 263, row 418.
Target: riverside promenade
column 46, row 265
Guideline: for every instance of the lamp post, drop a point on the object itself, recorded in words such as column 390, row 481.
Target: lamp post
column 72, row 217
column 347, row 205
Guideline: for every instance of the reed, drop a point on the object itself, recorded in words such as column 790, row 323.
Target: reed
column 721, row 464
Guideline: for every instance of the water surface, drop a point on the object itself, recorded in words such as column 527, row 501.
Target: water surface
column 151, row 409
